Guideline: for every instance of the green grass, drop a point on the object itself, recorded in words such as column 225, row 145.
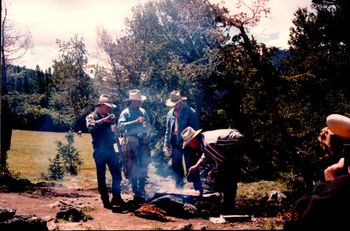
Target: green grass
column 30, row 152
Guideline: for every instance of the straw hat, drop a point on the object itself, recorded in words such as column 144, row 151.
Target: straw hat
column 175, row 97
column 106, row 100
column 339, row 125
column 188, row 134
column 136, row 95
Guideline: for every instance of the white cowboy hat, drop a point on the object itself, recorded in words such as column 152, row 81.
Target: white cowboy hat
column 106, row 100
column 175, row 97
column 136, row 95
column 188, row 134
column 339, row 125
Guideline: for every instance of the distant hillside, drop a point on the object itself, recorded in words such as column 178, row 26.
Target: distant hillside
column 280, row 57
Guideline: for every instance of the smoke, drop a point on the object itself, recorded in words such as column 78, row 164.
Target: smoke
column 165, row 184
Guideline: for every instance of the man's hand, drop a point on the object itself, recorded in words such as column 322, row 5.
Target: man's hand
column 330, row 172
column 192, row 169
column 166, row 151
column 110, row 118
column 140, row 119
column 232, row 135
column 211, row 174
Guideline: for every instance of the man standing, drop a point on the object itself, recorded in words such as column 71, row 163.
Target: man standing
column 178, row 118
column 134, row 123
column 100, row 123
column 224, row 147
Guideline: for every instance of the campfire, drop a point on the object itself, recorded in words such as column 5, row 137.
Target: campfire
column 164, row 199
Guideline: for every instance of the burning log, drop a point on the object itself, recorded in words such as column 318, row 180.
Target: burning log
column 173, row 205
column 176, row 205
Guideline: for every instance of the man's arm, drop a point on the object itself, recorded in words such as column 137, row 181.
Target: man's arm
column 196, row 166
column 166, row 142
column 92, row 122
column 123, row 122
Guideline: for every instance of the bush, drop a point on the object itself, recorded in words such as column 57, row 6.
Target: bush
column 56, row 170
column 66, row 160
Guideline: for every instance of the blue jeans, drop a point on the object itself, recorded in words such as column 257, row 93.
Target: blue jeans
column 138, row 156
column 106, row 156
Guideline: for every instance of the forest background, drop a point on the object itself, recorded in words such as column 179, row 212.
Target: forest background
column 279, row 99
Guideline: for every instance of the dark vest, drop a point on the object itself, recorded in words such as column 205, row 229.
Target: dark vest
column 102, row 136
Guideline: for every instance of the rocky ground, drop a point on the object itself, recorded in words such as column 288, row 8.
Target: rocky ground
column 84, row 211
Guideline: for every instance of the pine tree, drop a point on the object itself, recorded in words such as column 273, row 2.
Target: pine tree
column 56, row 170
column 69, row 154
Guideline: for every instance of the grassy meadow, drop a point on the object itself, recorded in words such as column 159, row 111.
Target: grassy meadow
column 30, row 152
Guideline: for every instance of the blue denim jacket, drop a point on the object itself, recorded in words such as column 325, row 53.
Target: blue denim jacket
column 187, row 117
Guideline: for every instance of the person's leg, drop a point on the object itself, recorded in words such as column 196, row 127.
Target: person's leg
column 100, row 162
column 231, row 170
column 144, row 161
column 133, row 163
column 190, row 160
column 229, row 191
column 177, row 166
column 113, row 163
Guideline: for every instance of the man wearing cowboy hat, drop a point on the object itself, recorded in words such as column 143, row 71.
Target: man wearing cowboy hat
column 178, row 118
column 100, row 123
column 223, row 146
column 134, row 123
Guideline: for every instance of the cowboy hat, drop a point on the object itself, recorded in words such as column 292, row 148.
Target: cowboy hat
column 136, row 95
column 106, row 100
column 339, row 125
column 188, row 134
column 175, row 97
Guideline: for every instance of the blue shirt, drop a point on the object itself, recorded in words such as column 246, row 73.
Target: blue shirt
column 187, row 117
column 127, row 121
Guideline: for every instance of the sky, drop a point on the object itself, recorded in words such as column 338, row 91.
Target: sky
column 48, row 20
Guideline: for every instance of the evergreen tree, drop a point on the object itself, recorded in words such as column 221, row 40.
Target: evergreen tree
column 72, row 91
column 55, row 169
column 69, row 154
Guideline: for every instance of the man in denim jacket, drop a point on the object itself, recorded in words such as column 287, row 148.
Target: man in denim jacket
column 134, row 123
column 178, row 118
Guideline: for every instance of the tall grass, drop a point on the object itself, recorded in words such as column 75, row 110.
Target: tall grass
column 30, row 152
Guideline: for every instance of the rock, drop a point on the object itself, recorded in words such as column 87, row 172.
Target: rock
column 24, row 222
column 72, row 215
column 276, row 196
column 190, row 209
column 6, row 214
column 185, row 227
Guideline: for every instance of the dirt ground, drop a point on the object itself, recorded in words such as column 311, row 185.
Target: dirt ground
column 46, row 201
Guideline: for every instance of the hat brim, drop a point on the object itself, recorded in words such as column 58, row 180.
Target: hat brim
column 170, row 103
column 339, row 125
column 111, row 105
column 184, row 144
column 142, row 98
